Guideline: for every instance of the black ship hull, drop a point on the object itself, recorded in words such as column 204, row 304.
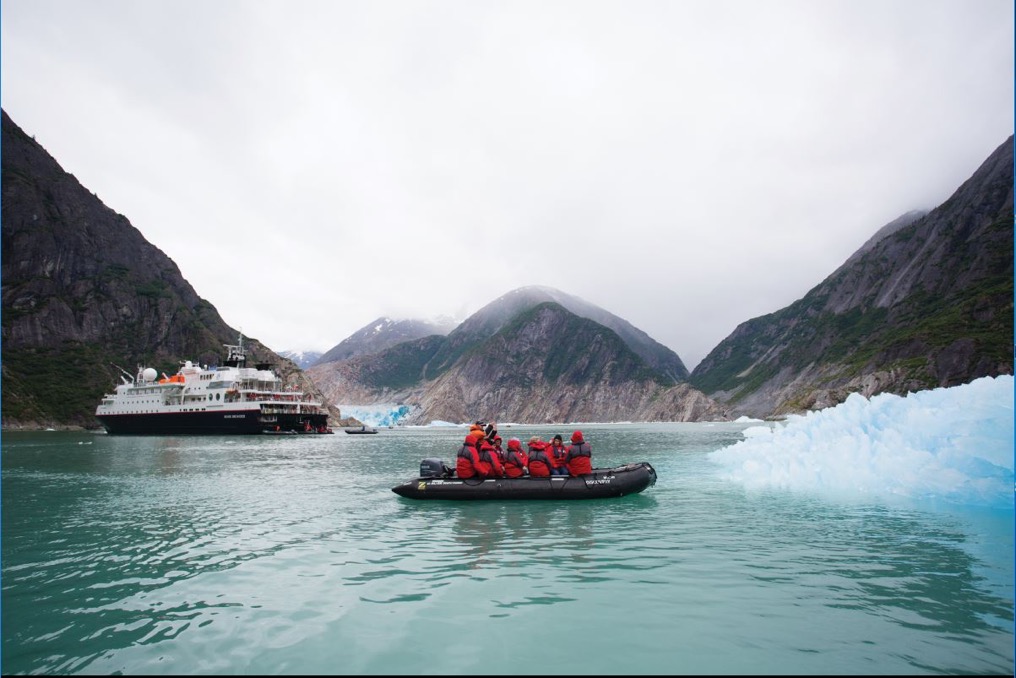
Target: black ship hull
column 233, row 422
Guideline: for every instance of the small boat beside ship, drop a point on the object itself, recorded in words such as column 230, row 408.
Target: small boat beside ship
column 362, row 429
column 437, row 481
column 228, row 399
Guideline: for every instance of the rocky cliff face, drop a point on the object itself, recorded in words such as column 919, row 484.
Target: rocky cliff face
column 83, row 291
column 542, row 364
column 928, row 302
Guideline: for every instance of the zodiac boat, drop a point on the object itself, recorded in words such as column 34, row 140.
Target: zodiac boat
column 437, row 481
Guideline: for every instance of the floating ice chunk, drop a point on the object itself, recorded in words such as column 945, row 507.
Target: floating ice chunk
column 947, row 443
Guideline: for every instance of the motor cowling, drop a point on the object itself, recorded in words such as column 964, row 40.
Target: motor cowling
column 433, row 467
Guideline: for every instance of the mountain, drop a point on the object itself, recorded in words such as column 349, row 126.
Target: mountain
column 495, row 315
column 303, row 359
column 84, row 291
column 927, row 302
column 524, row 357
column 547, row 364
column 383, row 333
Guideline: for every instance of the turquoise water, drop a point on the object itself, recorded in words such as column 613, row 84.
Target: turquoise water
column 290, row 555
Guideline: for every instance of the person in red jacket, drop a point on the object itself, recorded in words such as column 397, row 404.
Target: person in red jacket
column 490, row 460
column 579, row 456
column 467, row 462
column 516, row 462
column 540, row 463
column 557, row 454
column 501, row 455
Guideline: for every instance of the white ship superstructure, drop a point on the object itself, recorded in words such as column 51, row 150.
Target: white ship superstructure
column 232, row 398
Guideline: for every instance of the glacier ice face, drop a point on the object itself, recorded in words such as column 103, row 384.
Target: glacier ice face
column 377, row 415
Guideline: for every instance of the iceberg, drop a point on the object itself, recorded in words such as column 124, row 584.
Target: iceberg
column 953, row 444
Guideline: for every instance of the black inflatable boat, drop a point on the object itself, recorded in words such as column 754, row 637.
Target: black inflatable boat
column 437, row 481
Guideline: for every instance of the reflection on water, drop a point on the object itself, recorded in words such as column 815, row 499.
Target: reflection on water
column 200, row 555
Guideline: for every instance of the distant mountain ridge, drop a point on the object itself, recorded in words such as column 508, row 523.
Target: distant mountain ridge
column 927, row 302
column 492, row 317
column 303, row 359
column 383, row 333
column 520, row 358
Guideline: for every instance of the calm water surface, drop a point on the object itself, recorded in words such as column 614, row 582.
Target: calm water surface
column 291, row 555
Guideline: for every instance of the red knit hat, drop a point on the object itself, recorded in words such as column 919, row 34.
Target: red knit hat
column 576, row 437
column 514, row 444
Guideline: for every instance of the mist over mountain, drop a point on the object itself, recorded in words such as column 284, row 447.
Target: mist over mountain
column 383, row 333
column 926, row 302
column 492, row 317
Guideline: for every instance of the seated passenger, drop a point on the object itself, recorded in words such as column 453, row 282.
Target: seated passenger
column 557, row 455
column 497, row 448
column 579, row 457
column 540, row 463
column 516, row 462
column 467, row 462
column 490, row 461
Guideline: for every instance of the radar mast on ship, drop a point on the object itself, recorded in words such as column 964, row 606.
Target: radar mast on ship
column 236, row 356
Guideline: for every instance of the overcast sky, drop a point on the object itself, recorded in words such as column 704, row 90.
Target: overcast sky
column 686, row 165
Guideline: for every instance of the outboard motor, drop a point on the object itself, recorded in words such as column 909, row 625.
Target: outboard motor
column 434, row 468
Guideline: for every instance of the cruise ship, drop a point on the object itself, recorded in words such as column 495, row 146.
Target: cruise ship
column 230, row 399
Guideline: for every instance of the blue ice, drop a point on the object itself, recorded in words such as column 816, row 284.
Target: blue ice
column 953, row 444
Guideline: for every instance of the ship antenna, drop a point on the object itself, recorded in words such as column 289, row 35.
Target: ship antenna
column 123, row 371
column 235, row 355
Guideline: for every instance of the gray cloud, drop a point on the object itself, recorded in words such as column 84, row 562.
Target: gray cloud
column 685, row 165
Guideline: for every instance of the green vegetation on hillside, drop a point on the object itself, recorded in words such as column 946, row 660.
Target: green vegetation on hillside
column 401, row 366
column 862, row 339
column 578, row 335
column 61, row 384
